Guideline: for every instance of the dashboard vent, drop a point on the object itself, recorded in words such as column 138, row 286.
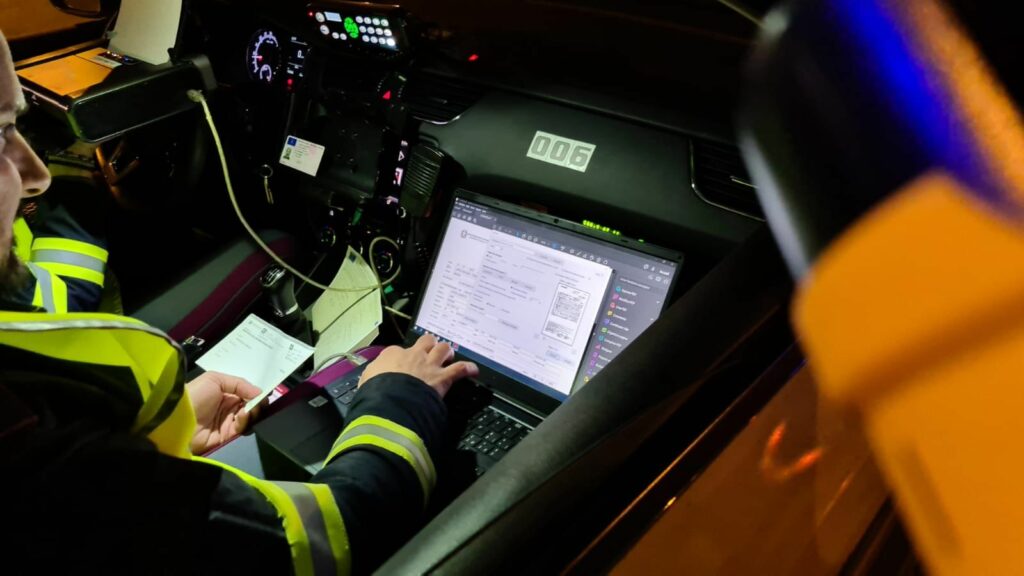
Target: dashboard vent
column 439, row 100
column 720, row 178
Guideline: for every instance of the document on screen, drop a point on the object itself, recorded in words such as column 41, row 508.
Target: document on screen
column 520, row 303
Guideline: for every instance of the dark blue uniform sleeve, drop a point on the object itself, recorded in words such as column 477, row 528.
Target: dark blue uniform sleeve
column 379, row 493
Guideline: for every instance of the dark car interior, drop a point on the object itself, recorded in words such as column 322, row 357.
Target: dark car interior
column 428, row 97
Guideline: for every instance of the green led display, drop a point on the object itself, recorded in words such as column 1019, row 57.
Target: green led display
column 351, row 27
column 600, row 228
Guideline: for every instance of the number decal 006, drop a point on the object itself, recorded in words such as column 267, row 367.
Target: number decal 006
column 560, row 151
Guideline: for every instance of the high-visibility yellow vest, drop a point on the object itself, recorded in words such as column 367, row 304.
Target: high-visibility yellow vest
column 309, row 514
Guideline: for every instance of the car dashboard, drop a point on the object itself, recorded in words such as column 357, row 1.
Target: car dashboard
column 407, row 107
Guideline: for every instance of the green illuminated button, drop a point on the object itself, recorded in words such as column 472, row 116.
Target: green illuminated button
column 351, row 27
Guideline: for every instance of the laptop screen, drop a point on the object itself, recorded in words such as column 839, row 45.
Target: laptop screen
column 546, row 305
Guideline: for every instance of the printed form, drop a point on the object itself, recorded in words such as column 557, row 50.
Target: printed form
column 259, row 352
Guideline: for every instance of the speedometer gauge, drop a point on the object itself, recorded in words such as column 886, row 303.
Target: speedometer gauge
column 264, row 56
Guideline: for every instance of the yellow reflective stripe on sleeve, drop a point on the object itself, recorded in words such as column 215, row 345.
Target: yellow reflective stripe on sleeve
column 302, row 561
column 397, row 439
column 315, row 521
column 72, row 271
column 394, row 448
column 336, row 532
column 312, row 523
column 68, row 245
column 51, row 293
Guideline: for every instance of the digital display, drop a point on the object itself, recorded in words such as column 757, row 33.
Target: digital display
column 333, row 16
column 295, row 67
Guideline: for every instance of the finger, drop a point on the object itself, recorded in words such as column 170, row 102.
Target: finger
column 461, row 370
column 241, row 421
column 425, row 343
column 239, row 387
column 440, row 354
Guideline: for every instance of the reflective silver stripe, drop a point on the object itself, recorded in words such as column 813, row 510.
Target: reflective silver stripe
column 423, row 461
column 45, row 283
column 50, row 326
column 324, row 563
column 71, row 258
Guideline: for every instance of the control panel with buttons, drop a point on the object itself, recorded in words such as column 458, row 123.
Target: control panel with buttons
column 360, row 26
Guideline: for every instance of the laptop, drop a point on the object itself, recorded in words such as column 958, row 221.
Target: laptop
column 539, row 303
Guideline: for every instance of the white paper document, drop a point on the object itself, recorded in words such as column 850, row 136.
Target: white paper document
column 146, row 29
column 347, row 321
column 259, row 352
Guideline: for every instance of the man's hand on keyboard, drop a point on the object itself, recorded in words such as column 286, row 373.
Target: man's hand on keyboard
column 425, row 360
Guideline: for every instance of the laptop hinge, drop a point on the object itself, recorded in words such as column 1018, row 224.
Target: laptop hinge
column 518, row 406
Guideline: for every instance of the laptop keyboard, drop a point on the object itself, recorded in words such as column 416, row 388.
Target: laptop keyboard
column 489, row 433
column 492, row 434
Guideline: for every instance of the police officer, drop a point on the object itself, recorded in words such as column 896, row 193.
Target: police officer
column 98, row 433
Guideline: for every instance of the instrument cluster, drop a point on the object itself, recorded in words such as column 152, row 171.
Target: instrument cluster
column 275, row 59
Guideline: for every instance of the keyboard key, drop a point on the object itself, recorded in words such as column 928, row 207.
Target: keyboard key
column 348, row 397
column 492, row 436
column 472, row 440
column 495, row 452
column 484, row 447
column 504, row 443
column 512, row 431
column 335, row 391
